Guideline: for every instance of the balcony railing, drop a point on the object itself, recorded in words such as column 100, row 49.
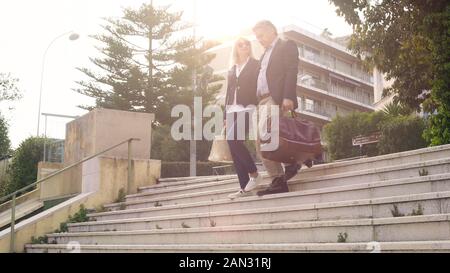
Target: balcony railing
column 355, row 96
column 314, row 108
column 327, row 62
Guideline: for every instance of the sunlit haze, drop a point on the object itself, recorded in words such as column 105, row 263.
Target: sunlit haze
column 27, row 28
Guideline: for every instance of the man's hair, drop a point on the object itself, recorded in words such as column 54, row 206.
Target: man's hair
column 265, row 24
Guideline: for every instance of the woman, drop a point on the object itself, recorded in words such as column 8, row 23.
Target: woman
column 241, row 92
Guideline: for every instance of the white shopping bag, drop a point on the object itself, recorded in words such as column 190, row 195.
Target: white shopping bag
column 220, row 151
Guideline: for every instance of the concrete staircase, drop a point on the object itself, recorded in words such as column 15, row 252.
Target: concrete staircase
column 22, row 210
column 392, row 203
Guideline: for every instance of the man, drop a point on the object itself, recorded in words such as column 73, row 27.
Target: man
column 277, row 84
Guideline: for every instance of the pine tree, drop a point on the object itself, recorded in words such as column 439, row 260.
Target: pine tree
column 147, row 64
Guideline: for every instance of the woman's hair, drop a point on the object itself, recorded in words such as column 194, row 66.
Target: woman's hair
column 234, row 53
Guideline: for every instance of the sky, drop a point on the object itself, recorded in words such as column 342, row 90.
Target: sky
column 27, row 28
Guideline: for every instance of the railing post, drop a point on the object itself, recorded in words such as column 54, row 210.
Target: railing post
column 130, row 174
column 13, row 223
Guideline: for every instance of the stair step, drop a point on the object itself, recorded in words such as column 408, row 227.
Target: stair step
column 190, row 181
column 431, row 203
column 397, row 187
column 413, row 228
column 353, row 178
column 353, row 197
column 408, row 246
column 361, row 176
column 382, row 247
column 152, row 190
column 414, row 156
column 185, row 178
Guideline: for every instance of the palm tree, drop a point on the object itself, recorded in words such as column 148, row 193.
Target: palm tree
column 395, row 109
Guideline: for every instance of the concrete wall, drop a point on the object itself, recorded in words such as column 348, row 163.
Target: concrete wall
column 108, row 175
column 97, row 181
column 47, row 168
column 102, row 179
column 44, row 169
column 99, row 130
column 380, row 83
column 102, row 128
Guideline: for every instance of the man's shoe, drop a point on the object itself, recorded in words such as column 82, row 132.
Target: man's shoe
column 238, row 194
column 253, row 183
column 278, row 185
column 291, row 170
column 308, row 163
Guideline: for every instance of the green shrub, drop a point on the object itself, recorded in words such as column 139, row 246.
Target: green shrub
column 342, row 237
column 396, row 212
column 79, row 217
column 401, row 133
column 23, row 168
column 437, row 131
column 398, row 133
column 338, row 134
column 165, row 148
column 121, row 196
column 5, row 143
column 40, row 240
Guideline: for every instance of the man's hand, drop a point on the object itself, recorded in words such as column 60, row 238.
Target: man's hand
column 288, row 105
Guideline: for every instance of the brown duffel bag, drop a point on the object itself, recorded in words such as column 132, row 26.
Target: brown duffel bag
column 299, row 140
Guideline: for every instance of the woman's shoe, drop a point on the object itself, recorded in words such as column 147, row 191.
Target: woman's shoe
column 253, row 183
column 238, row 194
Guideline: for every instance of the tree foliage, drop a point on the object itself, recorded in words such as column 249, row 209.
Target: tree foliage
column 408, row 40
column 147, row 64
column 401, row 133
column 23, row 168
column 5, row 143
column 8, row 88
column 338, row 134
column 398, row 133
column 165, row 148
column 395, row 109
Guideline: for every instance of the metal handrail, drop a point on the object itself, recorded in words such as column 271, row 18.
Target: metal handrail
column 14, row 194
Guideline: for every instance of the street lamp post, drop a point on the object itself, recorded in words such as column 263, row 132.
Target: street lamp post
column 73, row 36
column 193, row 143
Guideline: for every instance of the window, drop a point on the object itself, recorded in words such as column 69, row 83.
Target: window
column 333, row 62
column 313, row 75
column 309, row 105
column 311, row 53
column 299, row 102
column 343, row 66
